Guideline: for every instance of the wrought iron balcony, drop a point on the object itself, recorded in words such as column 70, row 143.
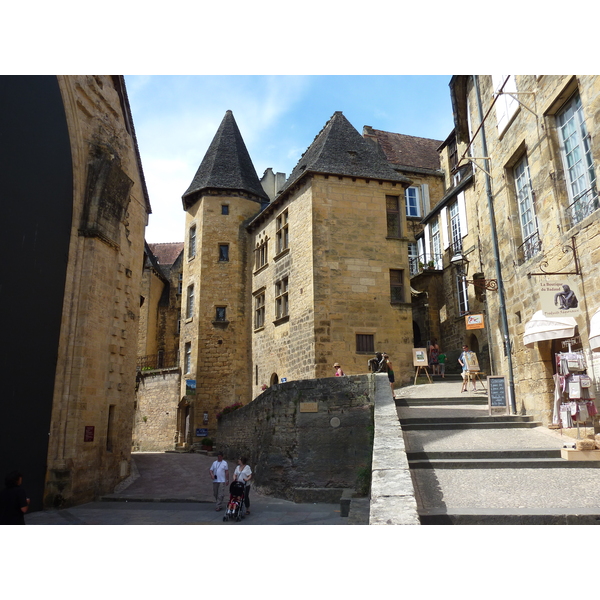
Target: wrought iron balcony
column 162, row 360
column 420, row 264
column 584, row 205
column 529, row 248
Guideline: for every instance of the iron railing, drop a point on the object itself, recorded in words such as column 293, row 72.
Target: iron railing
column 421, row 263
column 529, row 248
column 584, row 205
column 162, row 360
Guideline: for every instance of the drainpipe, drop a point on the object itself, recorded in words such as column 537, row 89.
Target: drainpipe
column 502, row 305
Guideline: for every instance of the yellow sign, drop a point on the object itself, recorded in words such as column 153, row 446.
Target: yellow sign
column 474, row 322
column 309, row 407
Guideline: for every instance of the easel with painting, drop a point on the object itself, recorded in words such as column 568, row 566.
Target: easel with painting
column 473, row 372
column 420, row 363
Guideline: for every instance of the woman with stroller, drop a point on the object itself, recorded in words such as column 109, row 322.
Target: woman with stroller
column 243, row 474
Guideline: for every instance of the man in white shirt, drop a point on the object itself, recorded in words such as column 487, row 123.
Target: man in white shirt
column 219, row 473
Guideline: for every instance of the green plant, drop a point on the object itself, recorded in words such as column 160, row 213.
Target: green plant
column 363, row 480
column 207, row 441
column 144, row 418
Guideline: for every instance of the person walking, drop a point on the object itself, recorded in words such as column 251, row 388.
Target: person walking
column 243, row 474
column 465, row 374
column 219, row 473
column 14, row 502
column 434, row 352
column 388, row 367
column 338, row 370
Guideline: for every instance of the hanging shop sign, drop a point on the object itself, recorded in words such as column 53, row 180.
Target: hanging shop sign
column 474, row 322
column 560, row 298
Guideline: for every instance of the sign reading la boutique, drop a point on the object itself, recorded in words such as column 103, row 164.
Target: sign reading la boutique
column 560, row 298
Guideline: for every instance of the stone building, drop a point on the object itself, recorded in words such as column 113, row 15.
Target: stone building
column 280, row 286
column 158, row 341
column 526, row 143
column 76, row 207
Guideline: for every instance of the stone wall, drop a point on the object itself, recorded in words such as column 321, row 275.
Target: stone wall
column 155, row 420
column 303, row 434
column 89, row 444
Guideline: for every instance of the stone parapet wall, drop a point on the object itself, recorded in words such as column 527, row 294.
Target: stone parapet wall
column 313, row 433
column 155, row 423
column 392, row 492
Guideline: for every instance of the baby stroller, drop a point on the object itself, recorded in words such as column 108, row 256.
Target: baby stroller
column 235, row 507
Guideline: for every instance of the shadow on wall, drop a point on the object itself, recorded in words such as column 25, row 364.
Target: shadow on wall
column 302, row 435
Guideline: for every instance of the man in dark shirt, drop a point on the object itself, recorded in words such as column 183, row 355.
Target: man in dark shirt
column 13, row 500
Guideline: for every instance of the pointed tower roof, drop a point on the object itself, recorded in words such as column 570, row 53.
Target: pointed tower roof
column 340, row 150
column 226, row 167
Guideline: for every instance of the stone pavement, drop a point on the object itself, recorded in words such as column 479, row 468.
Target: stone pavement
column 502, row 493
column 175, row 489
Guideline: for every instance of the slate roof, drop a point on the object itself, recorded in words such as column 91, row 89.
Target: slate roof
column 166, row 253
column 407, row 150
column 339, row 149
column 226, row 166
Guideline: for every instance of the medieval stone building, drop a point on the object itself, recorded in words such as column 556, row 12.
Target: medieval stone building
column 521, row 164
column 75, row 208
column 278, row 287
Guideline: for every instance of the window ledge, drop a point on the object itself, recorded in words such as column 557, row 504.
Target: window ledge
column 189, row 319
column 260, row 269
column 282, row 253
column 281, row 320
column 191, row 258
column 258, row 329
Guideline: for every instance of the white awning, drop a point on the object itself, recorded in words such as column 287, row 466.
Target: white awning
column 595, row 332
column 548, row 328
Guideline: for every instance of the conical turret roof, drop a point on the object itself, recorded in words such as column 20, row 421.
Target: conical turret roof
column 226, row 167
column 340, row 150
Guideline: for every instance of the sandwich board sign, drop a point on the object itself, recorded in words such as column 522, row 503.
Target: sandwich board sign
column 497, row 396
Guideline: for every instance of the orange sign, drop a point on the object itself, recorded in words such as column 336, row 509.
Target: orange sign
column 474, row 322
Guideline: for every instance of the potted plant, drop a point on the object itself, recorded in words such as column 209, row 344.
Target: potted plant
column 207, row 444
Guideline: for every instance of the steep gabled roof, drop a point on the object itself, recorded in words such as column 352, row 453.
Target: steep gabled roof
column 406, row 150
column 340, row 150
column 226, row 167
column 166, row 253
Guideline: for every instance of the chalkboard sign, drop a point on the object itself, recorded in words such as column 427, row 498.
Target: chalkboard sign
column 497, row 393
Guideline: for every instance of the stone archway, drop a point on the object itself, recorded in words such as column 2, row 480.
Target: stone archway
column 274, row 379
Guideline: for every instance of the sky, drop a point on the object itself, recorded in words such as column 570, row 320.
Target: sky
column 177, row 116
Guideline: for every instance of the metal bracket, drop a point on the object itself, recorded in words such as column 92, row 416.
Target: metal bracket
column 488, row 284
column 513, row 96
column 568, row 248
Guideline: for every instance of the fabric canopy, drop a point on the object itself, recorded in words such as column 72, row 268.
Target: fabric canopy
column 542, row 328
column 595, row 332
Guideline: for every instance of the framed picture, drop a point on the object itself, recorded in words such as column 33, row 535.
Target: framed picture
column 471, row 361
column 420, row 357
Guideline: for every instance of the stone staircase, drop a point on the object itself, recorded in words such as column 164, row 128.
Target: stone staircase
column 469, row 467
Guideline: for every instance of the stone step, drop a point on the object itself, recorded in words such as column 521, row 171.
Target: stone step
column 473, row 419
column 486, row 454
column 442, row 425
column 518, row 516
column 502, row 463
column 420, row 402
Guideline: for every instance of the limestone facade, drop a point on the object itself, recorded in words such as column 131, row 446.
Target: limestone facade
column 544, row 199
column 89, row 441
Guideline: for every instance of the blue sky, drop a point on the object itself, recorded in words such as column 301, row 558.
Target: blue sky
column 177, row 116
